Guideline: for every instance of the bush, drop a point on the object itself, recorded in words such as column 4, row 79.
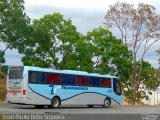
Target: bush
column 2, row 76
column 2, row 94
column 2, row 90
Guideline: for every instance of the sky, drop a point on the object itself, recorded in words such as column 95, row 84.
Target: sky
column 85, row 15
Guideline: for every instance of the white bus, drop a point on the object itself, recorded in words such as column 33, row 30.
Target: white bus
column 48, row 87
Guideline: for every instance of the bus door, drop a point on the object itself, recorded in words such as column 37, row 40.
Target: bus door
column 15, row 82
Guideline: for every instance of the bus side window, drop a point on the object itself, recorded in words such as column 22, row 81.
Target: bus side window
column 94, row 81
column 78, row 80
column 106, row 82
column 53, row 78
column 81, row 81
column 33, row 77
column 85, row 81
column 68, row 79
column 41, row 77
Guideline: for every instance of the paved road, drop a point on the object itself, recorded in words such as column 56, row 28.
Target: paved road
column 82, row 112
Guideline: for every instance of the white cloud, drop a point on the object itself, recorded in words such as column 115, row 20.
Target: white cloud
column 86, row 4
column 82, row 4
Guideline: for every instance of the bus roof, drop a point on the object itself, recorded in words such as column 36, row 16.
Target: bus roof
column 73, row 72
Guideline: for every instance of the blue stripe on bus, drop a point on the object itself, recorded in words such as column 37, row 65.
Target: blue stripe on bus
column 89, row 92
column 73, row 95
column 38, row 93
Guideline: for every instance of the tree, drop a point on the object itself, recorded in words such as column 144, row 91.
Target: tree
column 158, row 73
column 2, row 75
column 83, row 54
column 100, row 52
column 55, row 41
column 149, row 81
column 52, row 42
column 109, row 55
column 139, row 30
column 14, row 25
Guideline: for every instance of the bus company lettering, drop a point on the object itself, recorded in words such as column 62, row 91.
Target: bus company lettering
column 74, row 88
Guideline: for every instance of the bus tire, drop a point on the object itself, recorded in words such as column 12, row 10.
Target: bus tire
column 90, row 106
column 39, row 106
column 55, row 102
column 107, row 102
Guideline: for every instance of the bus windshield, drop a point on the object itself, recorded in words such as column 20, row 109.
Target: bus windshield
column 117, row 86
column 15, row 72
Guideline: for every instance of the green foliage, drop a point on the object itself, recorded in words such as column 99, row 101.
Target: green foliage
column 157, row 72
column 55, row 41
column 2, row 59
column 14, row 25
column 149, row 76
column 109, row 56
column 2, row 94
column 4, row 69
column 149, row 80
column 3, row 77
column 84, row 54
column 14, row 22
column 52, row 42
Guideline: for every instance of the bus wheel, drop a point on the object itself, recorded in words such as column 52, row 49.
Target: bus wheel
column 56, row 102
column 107, row 102
column 90, row 106
column 39, row 106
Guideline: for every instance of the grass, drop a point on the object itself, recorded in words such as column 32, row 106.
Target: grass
column 2, row 102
